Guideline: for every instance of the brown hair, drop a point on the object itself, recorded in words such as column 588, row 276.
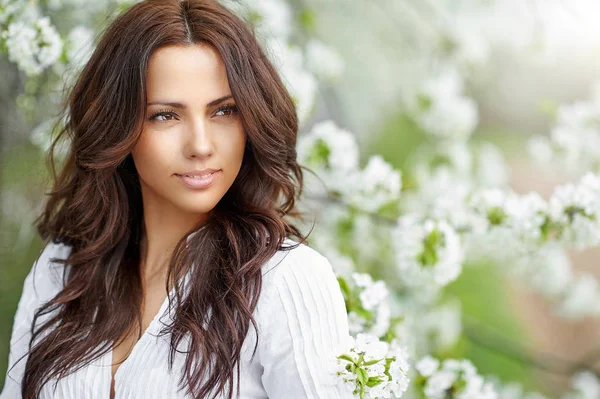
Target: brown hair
column 95, row 205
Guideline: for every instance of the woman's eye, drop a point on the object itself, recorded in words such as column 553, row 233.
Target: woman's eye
column 165, row 114
column 228, row 110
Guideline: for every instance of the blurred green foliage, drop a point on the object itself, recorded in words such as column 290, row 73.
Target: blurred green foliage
column 22, row 171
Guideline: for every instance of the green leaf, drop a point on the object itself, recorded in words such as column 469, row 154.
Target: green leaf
column 361, row 376
column 373, row 381
column 346, row 357
column 361, row 357
column 371, row 362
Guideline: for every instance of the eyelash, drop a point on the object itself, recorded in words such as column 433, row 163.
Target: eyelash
column 165, row 112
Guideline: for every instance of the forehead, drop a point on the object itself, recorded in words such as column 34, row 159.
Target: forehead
column 189, row 73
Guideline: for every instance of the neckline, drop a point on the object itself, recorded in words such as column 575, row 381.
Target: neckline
column 144, row 337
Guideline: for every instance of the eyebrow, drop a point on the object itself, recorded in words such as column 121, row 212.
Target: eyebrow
column 183, row 106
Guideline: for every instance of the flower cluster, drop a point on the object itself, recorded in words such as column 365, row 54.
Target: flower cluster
column 367, row 305
column 444, row 175
column 513, row 224
column 529, row 235
column 374, row 369
column 33, row 47
column 575, row 212
column 574, row 141
column 427, row 252
column 452, row 378
column 441, row 109
column 332, row 153
column 571, row 217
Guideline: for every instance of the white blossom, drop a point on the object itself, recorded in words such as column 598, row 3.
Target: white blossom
column 461, row 376
column 374, row 186
column 377, row 352
column 469, row 48
column 398, row 369
column 9, row 9
column 427, row 252
column 442, row 110
column 505, row 225
column 575, row 208
column 427, row 366
column 331, row 152
column 33, row 47
column 574, row 141
column 443, row 195
column 445, row 177
column 437, row 385
column 373, row 294
column 373, row 297
column 23, row 47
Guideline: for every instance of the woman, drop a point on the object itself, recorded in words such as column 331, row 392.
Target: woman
column 181, row 169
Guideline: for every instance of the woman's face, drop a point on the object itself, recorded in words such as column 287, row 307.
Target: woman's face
column 192, row 124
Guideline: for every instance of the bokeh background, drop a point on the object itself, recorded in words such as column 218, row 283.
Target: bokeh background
column 499, row 72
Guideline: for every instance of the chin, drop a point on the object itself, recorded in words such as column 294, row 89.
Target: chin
column 197, row 209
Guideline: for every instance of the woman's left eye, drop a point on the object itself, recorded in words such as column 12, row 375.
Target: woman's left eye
column 229, row 110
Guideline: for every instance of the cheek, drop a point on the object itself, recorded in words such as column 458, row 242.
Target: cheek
column 151, row 155
column 233, row 149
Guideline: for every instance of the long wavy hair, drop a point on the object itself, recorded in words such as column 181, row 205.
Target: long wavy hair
column 95, row 204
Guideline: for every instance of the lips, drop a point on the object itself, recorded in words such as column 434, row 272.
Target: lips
column 198, row 176
column 196, row 181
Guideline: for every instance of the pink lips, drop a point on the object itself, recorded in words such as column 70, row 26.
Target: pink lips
column 199, row 182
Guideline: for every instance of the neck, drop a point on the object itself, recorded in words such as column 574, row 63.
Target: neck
column 157, row 246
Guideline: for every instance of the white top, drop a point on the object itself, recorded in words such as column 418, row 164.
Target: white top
column 302, row 323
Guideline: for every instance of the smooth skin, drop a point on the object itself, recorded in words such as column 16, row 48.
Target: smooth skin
column 202, row 130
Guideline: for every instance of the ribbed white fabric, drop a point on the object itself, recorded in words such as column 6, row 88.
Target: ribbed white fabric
column 302, row 324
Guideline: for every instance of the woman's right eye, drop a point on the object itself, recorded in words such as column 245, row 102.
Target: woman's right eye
column 162, row 114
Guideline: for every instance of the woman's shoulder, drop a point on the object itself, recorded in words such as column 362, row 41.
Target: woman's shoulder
column 300, row 272
column 303, row 323
column 295, row 257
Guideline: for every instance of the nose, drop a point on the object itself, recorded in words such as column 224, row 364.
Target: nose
column 199, row 140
